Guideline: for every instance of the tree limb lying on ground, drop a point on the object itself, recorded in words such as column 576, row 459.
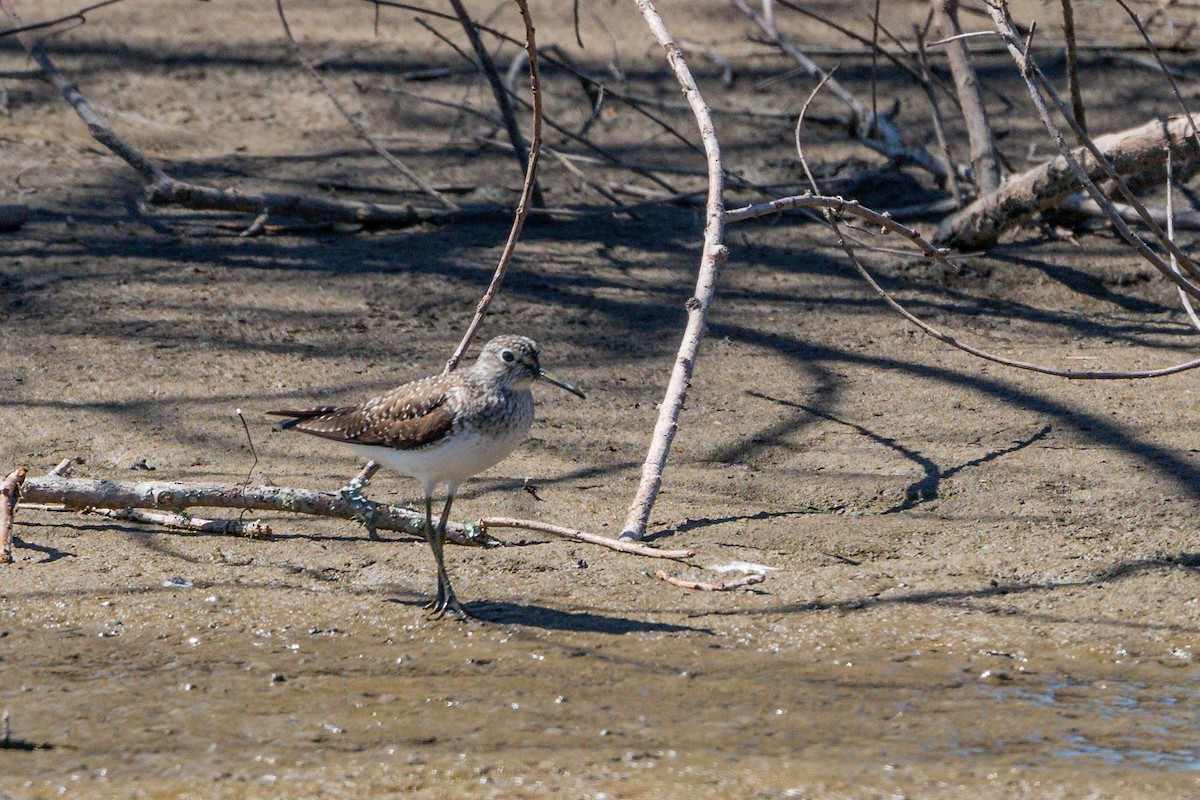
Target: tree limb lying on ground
column 1042, row 188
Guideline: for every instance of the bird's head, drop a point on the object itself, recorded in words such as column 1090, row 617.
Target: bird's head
column 515, row 359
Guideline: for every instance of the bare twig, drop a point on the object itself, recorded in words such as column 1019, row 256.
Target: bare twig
column 359, row 128
column 528, row 190
column 1036, row 83
column 878, row 133
column 984, row 157
column 484, row 59
column 579, row 536
column 1068, row 16
column 723, row 586
column 10, row 493
column 841, row 206
column 712, row 257
column 251, row 529
column 77, row 16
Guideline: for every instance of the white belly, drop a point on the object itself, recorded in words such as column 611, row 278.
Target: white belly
column 451, row 461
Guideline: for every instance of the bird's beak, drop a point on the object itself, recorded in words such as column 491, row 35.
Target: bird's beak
column 560, row 383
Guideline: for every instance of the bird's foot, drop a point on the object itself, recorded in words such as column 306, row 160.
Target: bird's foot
column 449, row 604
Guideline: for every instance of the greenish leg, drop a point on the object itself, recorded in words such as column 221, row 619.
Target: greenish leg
column 448, row 601
column 439, row 602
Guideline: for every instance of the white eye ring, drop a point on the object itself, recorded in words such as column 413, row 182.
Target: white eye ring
column 508, row 356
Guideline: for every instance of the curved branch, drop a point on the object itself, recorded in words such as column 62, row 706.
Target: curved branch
column 527, row 192
column 711, row 258
column 841, row 206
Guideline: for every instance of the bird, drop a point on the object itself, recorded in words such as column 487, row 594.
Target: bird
column 444, row 429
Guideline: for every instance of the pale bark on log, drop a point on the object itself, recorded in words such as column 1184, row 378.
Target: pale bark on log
column 85, row 493
column 982, row 222
column 250, row 529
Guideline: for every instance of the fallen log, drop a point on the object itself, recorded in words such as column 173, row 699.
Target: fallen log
column 91, row 493
column 1131, row 151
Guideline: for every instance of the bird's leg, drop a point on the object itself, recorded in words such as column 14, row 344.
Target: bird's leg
column 439, row 602
column 449, row 602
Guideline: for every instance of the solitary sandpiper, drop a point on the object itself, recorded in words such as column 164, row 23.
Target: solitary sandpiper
column 443, row 429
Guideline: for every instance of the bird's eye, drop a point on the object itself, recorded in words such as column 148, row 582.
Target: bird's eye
column 508, row 356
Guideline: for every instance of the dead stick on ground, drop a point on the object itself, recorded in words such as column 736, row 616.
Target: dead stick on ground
column 87, row 493
column 528, row 190
column 723, row 586
column 1130, row 151
column 253, row 529
column 359, row 128
column 10, row 493
column 579, row 536
column 712, row 257
column 1036, row 82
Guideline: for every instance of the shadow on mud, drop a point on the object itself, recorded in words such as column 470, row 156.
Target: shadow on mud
column 556, row 620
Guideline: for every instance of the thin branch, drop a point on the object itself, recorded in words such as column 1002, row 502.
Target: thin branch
column 841, row 206
column 86, row 493
column 359, row 128
column 579, row 536
column 77, row 16
column 528, row 190
column 502, row 102
column 712, row 257
column 1068, row 24
column 700, row 586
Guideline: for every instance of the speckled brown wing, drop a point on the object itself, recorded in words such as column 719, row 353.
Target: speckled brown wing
column 412, row 416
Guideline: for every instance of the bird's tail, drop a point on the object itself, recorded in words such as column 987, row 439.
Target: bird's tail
column 300, row 416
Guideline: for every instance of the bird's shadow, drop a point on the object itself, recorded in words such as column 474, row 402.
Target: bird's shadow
column 552, row 619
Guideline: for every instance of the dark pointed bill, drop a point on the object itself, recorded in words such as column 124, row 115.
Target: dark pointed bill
column 560, row 383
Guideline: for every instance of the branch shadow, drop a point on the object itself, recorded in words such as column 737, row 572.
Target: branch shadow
column 961, row 598
column 925, row 489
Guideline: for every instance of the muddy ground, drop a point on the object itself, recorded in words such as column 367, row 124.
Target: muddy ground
column 982, row 583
